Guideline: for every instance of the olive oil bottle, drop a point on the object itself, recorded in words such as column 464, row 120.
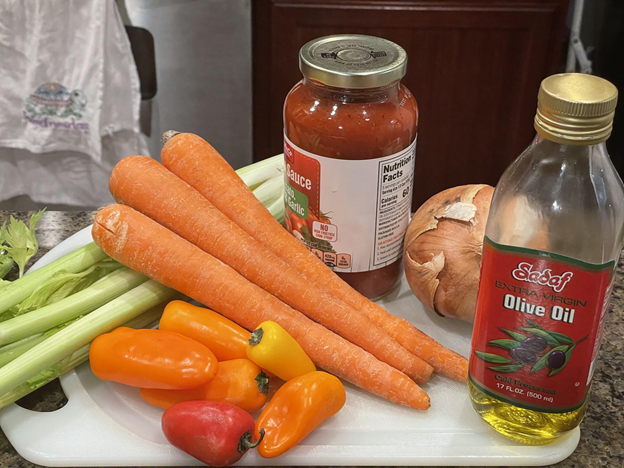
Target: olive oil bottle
column 553, row 239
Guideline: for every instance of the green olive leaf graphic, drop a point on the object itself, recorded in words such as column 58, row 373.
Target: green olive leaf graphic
column 560, row 337
column 543, row 361
column 581, row 340
column 535, row 325
column 568, row 353
column 506, row 344
column 489, row 357
column 509, row 368
column 515, row 335
column 536, row 331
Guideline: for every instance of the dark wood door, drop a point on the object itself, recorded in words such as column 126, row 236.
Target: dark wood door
column 474, row 67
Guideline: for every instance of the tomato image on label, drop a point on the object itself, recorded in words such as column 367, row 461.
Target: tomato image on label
column 538, row 327
column 302, row 200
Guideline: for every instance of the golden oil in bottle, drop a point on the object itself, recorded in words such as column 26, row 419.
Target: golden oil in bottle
column 527, row 426
column 553, row 238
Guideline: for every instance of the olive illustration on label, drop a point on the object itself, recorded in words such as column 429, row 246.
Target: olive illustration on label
column 532, row 346
column 556, row 359
column 535, row 343
column 523, row 355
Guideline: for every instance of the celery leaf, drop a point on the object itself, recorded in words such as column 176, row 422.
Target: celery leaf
column 19, row 241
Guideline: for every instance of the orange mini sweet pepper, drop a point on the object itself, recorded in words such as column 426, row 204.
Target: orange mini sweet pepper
column 296, row 409
column 223, row 337
column 152, row 359
column 239, row 382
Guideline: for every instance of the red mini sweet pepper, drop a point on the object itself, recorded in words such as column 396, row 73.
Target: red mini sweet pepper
column 215, row 433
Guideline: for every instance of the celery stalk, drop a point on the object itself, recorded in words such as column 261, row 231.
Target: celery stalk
column 80, row 303
column 6, row 263
column 270, row 190
column 61, row 285
column 76, row 358
column 76, row 261
column 257, row 173
column 48, row 375
column 17, row 344
column 265, row 179
column 82, row 332
column 16, row 349
column 277, row 210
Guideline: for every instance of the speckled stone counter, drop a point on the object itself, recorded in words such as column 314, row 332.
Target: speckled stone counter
column 602, row 431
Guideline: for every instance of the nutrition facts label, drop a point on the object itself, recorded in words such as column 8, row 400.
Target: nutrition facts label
column 394, row 200
column 352, row 214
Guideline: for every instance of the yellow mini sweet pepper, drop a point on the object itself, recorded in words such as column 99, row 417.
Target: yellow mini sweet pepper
column 273, row 349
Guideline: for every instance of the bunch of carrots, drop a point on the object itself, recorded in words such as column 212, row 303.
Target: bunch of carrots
column 193, row 225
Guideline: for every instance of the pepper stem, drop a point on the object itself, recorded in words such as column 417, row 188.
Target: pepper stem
column 256, row 336
column 168, row 135
column 262, row 380
column 245, row 443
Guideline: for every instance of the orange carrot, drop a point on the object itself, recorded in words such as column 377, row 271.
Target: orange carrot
column 173, row 203
column 193, row 160
column 142, row 244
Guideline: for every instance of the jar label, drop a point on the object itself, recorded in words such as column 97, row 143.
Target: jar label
column 538, row 327
column 352, row 214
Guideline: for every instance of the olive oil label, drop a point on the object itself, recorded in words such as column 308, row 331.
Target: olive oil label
column 352, row 214
column 538, row 327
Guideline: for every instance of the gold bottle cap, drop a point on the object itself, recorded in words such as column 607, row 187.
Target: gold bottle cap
column 575, row 109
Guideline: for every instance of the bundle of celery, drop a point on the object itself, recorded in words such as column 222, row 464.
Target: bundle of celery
column 49, row 317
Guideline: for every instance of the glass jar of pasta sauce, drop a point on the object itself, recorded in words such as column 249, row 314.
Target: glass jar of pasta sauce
column 350, row 130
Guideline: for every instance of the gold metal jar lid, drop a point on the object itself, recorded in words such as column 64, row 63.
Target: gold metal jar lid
column 353, row 61
column 575, row 109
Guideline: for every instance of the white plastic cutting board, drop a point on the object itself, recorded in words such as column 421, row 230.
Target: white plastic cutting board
column 107, row 424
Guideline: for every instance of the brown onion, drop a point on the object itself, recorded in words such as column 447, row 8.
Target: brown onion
column 443, row 249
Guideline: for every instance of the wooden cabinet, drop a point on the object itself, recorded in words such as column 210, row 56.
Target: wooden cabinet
column 474, row 67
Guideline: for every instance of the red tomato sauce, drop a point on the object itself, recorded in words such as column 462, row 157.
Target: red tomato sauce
column 353, row 124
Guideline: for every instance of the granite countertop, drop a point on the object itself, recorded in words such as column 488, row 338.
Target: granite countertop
column 602, row 431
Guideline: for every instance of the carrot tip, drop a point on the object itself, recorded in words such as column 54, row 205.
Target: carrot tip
column 168, row 135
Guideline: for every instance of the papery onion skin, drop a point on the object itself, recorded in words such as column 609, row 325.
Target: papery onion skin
column 442, row 249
